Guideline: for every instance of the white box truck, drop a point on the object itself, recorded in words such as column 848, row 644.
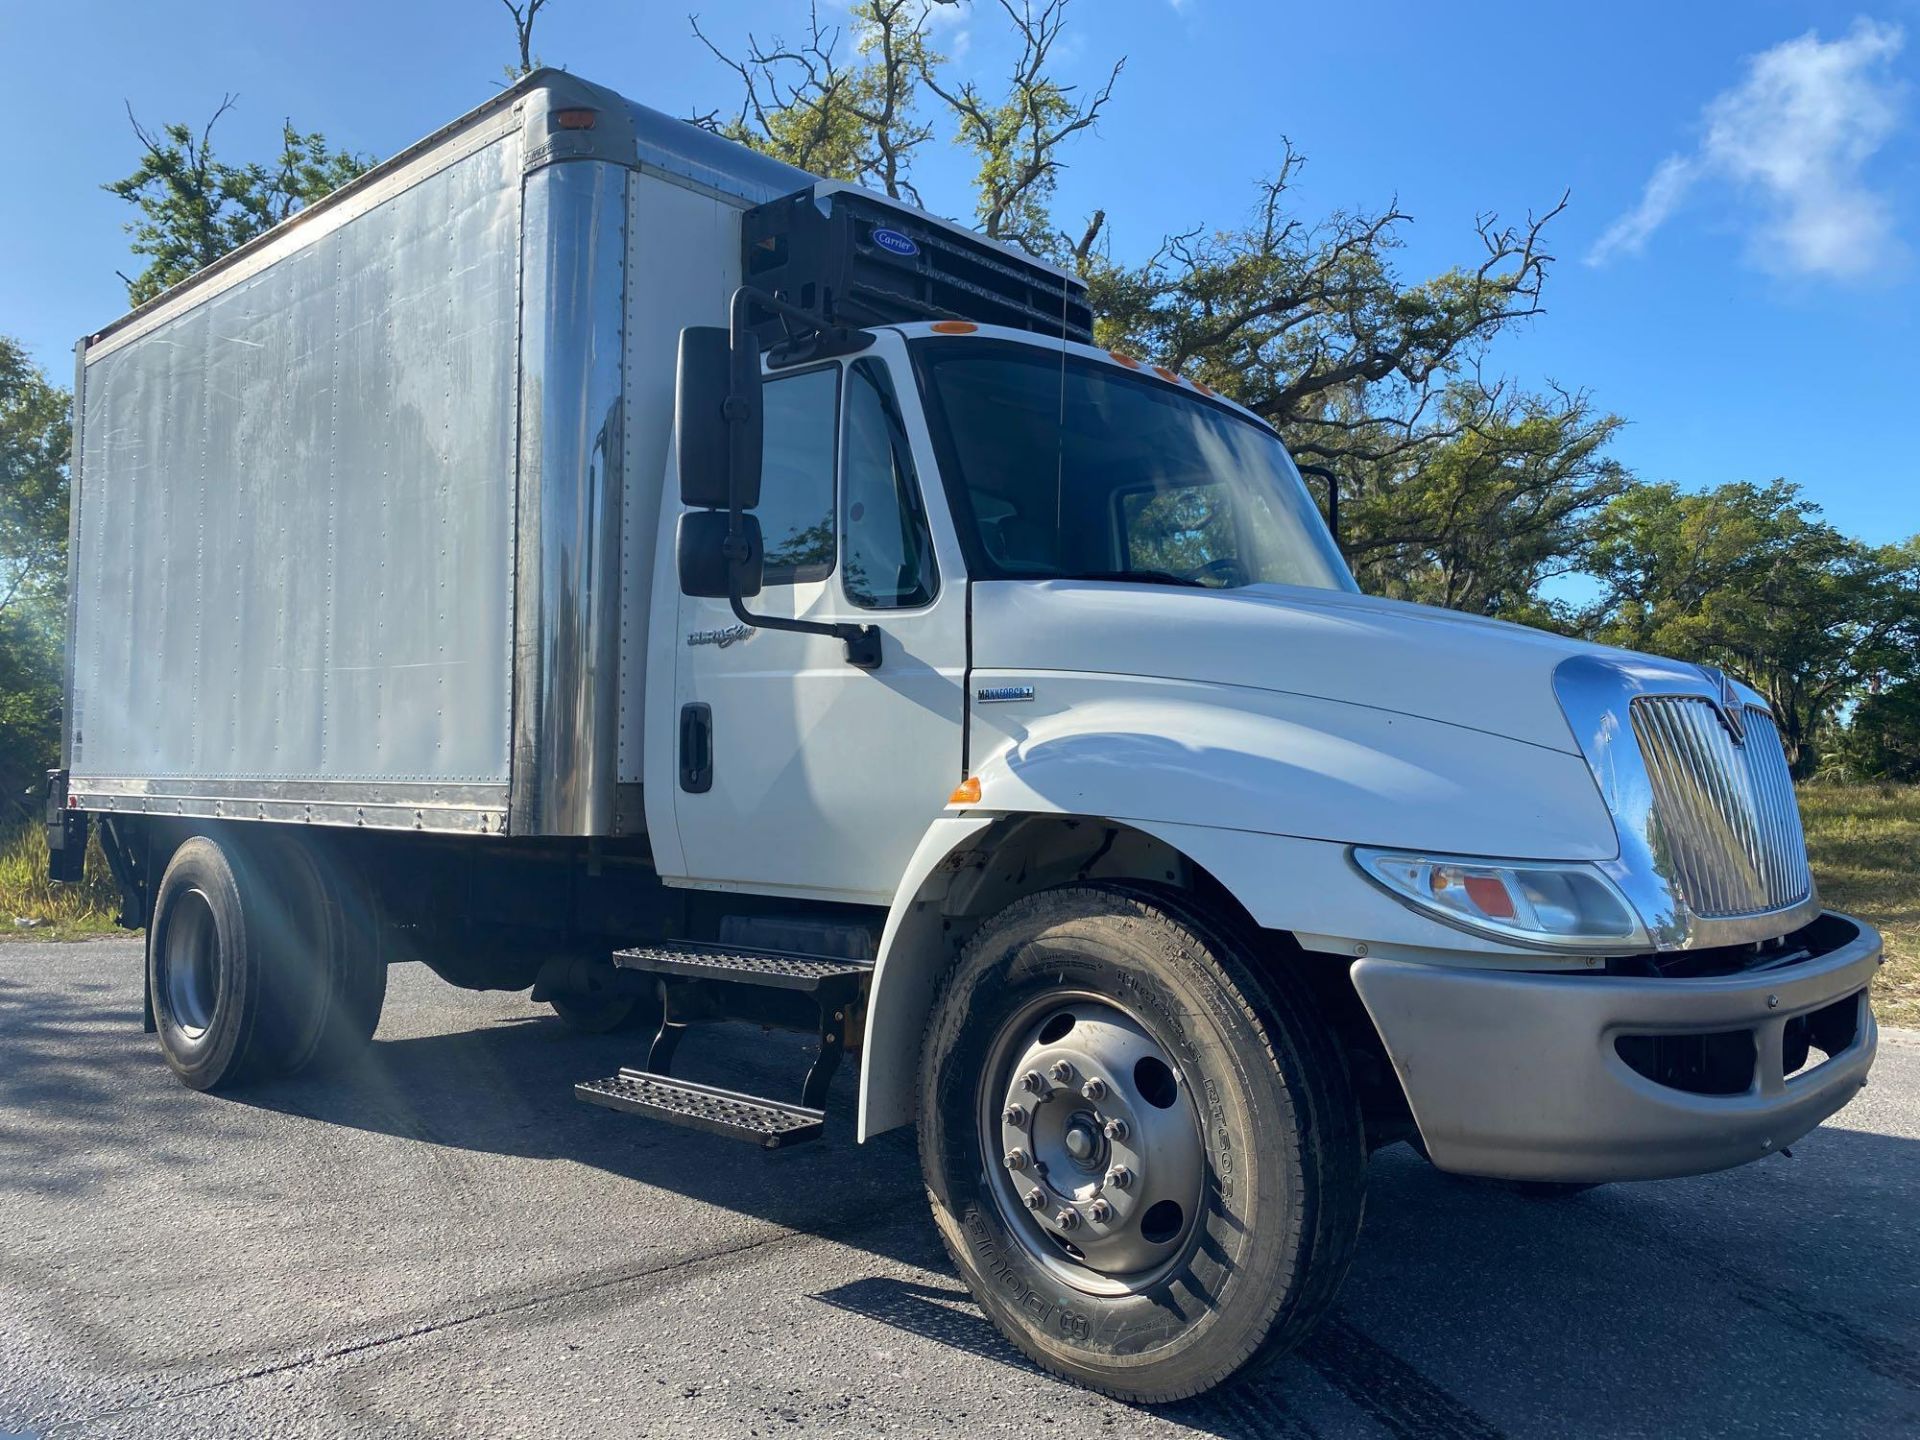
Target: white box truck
column 587, row 555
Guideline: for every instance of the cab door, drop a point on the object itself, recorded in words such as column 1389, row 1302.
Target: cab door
column 795, row 772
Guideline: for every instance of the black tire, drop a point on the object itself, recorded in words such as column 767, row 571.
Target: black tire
column 221, row 1008
column 1282, row 1145
column 352, row 962
column 288, row 974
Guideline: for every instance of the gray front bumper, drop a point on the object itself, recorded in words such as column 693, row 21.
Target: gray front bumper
column 1517, row 1075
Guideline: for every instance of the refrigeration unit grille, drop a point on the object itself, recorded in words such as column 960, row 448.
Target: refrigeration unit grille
column 859, row 261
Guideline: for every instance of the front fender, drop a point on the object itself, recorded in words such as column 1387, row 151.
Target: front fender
column 1264, row 792
column 912, row 959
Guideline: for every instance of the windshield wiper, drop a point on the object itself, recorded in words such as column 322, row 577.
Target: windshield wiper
column 1145, row 577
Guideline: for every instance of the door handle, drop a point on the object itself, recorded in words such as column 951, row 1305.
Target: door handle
column 696, row 748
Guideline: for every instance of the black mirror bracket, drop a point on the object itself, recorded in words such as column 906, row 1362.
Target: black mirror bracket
column 862, row 641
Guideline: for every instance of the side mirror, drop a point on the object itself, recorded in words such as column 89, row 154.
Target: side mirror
column 701, row 546
column 716, row 417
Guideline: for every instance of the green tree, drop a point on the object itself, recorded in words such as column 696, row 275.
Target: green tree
column 1750, row 578
column 855, row 121
column 34, row 441
column 194, row 208
column 1498, row 503
column 1882, row 738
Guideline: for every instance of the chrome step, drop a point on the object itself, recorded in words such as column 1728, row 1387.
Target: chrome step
column 770, row 1124
column 775, row 969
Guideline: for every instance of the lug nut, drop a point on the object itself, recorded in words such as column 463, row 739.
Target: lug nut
column 1115, row 1129
column 1099, row 1212
column 1013, row 1115
column 1062, row 1071
column 1120, row 1177
column 1034, row 1083
column 1016, row 1160
column 1095, row 1088
column 1035, row 1199
column 1068, row 1219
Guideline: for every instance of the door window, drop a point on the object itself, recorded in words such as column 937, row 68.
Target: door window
column 889, row 552
column 796, row 486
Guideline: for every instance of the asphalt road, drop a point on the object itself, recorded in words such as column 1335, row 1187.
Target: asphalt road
column 444, row 1243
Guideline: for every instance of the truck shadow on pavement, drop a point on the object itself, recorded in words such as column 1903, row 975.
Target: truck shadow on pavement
column 1777, row 1295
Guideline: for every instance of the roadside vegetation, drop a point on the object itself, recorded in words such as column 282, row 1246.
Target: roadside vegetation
column 1865, row 845
column 52, row 912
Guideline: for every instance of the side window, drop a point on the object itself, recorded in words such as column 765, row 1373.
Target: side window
column 889, row 553
column 796, row 486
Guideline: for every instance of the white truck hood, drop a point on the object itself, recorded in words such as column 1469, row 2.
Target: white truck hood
column 1486, row 675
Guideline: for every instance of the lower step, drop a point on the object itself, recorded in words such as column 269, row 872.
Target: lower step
column 769, row 1124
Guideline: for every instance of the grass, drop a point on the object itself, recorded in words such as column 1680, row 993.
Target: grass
column 66, row 912
column 1864, row 841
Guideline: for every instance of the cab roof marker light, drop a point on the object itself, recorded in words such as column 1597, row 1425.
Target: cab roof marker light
column 1126, row 360
column 967, row 792
column 1170, row 376
column 1538, row 904
column 953, row 327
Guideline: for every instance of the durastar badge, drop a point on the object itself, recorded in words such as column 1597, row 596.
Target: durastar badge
column 731, row 635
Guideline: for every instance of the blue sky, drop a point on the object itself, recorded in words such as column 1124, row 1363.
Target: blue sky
column 1739, row 268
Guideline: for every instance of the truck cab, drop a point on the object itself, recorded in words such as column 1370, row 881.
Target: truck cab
column 767, row 602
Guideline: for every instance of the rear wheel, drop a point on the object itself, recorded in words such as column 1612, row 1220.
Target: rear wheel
column 218, row 1013
column 260, row 960
column 1144, row 1154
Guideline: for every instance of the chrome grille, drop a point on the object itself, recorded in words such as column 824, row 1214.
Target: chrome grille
column 1727, row 816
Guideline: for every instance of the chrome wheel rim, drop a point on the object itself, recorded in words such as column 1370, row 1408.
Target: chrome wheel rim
column 1092, row 1143
column 192, row 959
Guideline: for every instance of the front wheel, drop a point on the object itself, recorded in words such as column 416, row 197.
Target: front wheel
column 1143, row 1149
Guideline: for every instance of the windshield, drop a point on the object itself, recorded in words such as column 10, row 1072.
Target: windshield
column 1060, row 467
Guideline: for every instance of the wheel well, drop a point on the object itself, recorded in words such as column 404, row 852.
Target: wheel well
column 1021, row 854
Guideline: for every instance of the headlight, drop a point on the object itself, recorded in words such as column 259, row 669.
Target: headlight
column 1524, row 902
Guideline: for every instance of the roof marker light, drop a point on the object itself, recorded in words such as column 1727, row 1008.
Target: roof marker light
column 1165, row 374
column 576, row 119
column 953, row 327
column 967, row 792
column 1126, row 360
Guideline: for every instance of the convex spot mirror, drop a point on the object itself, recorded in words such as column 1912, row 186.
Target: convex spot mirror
column 701, row 554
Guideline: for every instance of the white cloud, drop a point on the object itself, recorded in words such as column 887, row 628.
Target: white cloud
column 1793, row 138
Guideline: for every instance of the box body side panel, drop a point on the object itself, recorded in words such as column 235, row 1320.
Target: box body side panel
column 294, row 555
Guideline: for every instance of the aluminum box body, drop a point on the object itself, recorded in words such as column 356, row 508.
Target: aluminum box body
column 364, row 512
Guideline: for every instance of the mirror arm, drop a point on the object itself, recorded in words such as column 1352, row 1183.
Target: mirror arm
column 862, row 641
